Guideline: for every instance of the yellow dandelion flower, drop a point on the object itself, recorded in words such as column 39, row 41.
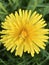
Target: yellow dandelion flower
column 24, row 32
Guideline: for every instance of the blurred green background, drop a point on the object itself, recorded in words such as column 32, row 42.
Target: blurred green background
column 8, row 6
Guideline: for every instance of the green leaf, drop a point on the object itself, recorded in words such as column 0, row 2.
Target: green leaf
column 46, row 10
column 3, row 8
column 1, row 61
column 33, row 4
column 40, row 1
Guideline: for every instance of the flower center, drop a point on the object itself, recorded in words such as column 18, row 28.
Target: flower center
column 24, row 33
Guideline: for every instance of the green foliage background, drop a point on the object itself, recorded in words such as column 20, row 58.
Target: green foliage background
column 8, row 6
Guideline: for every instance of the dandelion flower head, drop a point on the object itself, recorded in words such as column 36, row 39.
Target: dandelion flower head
column 24, row 31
